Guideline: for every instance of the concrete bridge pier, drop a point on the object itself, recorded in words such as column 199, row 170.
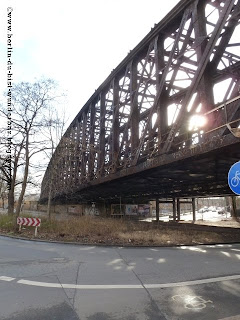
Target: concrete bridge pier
column 178, row 210
column 157, row 209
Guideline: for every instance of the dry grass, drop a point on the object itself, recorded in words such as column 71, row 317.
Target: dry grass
column 113, row 231
column 84, row 226
column 6, row 222
column 169, row 236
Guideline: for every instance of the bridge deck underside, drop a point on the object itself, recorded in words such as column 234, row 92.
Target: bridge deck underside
column 198, row 176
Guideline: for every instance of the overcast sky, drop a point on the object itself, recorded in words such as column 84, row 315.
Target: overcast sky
column 76, row 43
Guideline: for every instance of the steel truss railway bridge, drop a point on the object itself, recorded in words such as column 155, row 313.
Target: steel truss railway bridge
column 165, row 123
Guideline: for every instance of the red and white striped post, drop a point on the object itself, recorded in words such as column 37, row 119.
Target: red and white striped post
column 29, row 222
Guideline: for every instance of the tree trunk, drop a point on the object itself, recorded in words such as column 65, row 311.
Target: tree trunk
column 10, row 201
column 24, row 184
column 11, row 192
column 12, row 183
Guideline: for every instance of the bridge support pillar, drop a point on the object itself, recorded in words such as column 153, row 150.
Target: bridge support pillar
column 194, row 209
column 157, row 209
column 233, row 207
column 178, row 210
column 174, row 209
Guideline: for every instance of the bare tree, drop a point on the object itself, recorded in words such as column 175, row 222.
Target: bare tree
column 9, row 165
column 31, row 103
column 3, row 190
column 53, row 130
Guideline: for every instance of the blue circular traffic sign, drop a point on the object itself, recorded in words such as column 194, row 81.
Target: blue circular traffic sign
column 234, row 178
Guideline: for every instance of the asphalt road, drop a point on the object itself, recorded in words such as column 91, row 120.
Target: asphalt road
column 47, row 281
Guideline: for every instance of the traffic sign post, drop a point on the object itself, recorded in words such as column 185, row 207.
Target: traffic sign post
column 234, row 178
column 34, row 222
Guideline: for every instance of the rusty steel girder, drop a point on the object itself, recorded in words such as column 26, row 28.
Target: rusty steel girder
column 159, row 106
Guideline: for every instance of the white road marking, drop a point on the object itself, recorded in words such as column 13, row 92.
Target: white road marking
column 191, row 282
column 135, row 286
column 7, row 278
column 237, row 317
column 78, row 286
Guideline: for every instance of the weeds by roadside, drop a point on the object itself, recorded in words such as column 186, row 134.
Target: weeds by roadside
column 6, row 222
column 94, row 230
